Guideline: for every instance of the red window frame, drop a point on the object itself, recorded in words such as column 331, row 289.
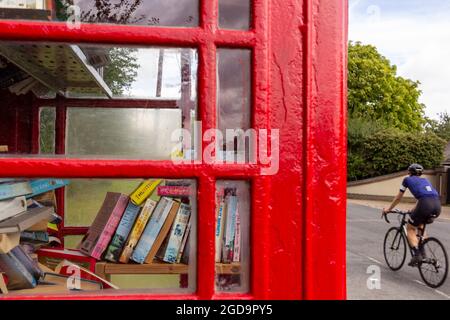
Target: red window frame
column 298, row 86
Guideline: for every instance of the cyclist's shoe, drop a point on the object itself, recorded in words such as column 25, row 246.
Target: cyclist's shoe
column 415, row 260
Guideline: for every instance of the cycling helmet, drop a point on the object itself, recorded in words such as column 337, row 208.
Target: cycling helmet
column 415, row 169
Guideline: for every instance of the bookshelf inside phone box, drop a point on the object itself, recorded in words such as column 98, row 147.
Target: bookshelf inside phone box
column 62, row 101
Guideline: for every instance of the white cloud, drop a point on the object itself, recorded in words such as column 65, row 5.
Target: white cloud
column 418, row 44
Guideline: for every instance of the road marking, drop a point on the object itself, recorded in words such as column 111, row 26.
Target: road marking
column 374, row 260
column 442, row 293
column 420, row 282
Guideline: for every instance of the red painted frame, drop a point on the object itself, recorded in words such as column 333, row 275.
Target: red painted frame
column 299, row 87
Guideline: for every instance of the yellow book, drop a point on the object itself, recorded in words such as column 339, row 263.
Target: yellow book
column 144, row 191
column 138, row 229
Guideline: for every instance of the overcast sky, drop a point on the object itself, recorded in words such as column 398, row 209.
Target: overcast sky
column 415, row 36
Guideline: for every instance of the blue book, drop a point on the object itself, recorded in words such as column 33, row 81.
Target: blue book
column 152, row 230
column 13, row 190
column 123, row 230
column 18, row 276
column 41, row 186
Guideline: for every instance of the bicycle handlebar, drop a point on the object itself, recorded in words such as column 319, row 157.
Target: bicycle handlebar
column 384, row 215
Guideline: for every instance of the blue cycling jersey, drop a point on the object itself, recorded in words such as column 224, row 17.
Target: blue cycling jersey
column 419, row 187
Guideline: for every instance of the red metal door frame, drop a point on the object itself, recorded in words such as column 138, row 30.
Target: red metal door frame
column 298, row 86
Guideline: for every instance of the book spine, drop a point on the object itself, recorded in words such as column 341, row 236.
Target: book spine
column 230, row 229
column 39, row 236
column 12, row 190
column 219, row 230
column 152, row 229
column 113, row 222
column 176, row 234
column 237, row 238
column 138, row 229
column 163, row 233
column 141, row 194
column 27, row 262
column 123, row 230
column 41, row 186
column 183, row 243
column 174, row 191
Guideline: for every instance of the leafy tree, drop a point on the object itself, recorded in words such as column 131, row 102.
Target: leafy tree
column 440, row 127
column 120, row 74
column 375, row 92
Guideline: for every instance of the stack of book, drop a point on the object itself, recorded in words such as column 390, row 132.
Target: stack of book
column 228, row 227
column 151, row 223
column 27, row 211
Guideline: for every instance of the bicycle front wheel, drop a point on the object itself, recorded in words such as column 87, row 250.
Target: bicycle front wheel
column 434, row 266
column 394, row 248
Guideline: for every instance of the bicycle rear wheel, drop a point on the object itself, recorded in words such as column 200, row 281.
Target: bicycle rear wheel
column 434, row 267
column 394, row 248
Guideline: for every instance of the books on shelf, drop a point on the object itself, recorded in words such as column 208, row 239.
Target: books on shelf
column 228, row 227
column 138, row 229
column 153, row 229
column 123, row 230
column 26, row 219
column 13, row 189
column 169, row 251
column 146, row 188
column 104, row 226
column 10, row 208
column 20, row 275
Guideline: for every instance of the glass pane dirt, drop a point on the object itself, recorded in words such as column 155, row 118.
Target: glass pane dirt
column 137, row 98
column 160, row 13
column 234, row 14
column 232, row 236
column 141, row 232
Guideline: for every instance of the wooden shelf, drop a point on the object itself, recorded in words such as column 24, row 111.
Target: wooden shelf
column 105, row 269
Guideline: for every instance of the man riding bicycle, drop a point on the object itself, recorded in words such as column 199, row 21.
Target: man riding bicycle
column 427, row 208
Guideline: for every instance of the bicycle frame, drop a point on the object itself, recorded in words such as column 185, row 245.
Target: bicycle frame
column 403, row 230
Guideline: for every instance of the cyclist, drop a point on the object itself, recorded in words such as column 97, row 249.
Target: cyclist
column 427, row 208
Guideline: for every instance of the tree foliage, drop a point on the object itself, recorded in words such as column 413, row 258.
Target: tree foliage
column 375, row 92
column 440, row 127
column 375, row 149
column 120, row 74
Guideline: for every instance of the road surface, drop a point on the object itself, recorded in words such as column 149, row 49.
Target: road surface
column 365, row 235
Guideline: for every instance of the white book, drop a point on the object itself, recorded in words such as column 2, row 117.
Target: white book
column 237, row 238
column 228, row 246
column 12, row 207
column 183, row 243
column 176, row 234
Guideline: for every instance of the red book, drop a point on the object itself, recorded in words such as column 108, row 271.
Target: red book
column 105, row 224
column 174, row 191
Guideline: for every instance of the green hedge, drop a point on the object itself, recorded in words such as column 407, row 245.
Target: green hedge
column 375, row 152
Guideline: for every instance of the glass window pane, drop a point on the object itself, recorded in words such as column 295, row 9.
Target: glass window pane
column 151, row 93
column 232, row 236
column 234, row 99
column 163, row 13
column 141, row 233
column 125, row 133
column 47, row 125
column 234, row 14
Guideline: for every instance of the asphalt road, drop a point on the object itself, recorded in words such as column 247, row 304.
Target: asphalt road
column 365, row 235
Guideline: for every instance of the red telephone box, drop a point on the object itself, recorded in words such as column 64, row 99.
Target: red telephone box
column 297, row 51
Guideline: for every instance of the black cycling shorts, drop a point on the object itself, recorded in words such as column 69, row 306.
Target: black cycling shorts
column 427, row 209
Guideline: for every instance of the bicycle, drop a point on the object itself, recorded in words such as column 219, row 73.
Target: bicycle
column 433, row 268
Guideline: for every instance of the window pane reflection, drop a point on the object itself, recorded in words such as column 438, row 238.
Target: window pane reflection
column 164, row 13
